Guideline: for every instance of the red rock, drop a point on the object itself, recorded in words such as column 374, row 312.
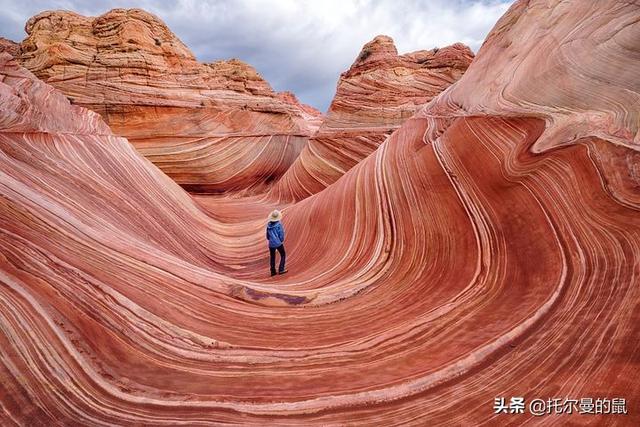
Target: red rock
column 9, row 46
column 374, row 97
column 481, row 223
column 211, row 127
column 313, row 117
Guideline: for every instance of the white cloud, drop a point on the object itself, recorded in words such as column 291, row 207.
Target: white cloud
column 301, row 46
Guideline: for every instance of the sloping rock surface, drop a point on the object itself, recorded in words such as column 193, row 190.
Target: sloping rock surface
column 211, row 127
column 489, row 247
column 374, row 97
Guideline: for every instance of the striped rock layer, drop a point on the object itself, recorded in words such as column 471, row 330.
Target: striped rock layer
column 211, row 127
column 489, row 247
column 374, row 97
column 9, row 46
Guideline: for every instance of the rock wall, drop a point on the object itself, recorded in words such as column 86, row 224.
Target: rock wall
column 211, row 127
column 9, row 46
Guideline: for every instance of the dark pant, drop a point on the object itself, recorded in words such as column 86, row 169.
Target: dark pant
column 272, row 259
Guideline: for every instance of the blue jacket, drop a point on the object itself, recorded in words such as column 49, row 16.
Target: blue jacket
column 275, row 234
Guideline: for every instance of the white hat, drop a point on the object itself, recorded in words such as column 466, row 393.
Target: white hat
column 276, row 215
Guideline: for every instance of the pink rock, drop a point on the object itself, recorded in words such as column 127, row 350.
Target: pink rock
column 489, row 248
column 211, row 127
column 374, row 97
column 9, row 46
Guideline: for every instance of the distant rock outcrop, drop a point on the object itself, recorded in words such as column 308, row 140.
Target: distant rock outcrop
column 374, row 97
column 211, row 127
column 9, row 46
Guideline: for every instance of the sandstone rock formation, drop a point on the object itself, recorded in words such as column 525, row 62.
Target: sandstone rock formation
column 9, row 46
column 211, row 127
column 490, row 247
column 374, row 97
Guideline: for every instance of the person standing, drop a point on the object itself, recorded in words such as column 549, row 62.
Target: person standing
column 275, row 236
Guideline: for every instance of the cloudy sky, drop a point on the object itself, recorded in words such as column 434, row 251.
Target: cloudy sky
column 301, row 46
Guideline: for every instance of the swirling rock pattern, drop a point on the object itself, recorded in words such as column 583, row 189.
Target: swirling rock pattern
column 211, row 127
column 490, row 247
column 374, row 97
